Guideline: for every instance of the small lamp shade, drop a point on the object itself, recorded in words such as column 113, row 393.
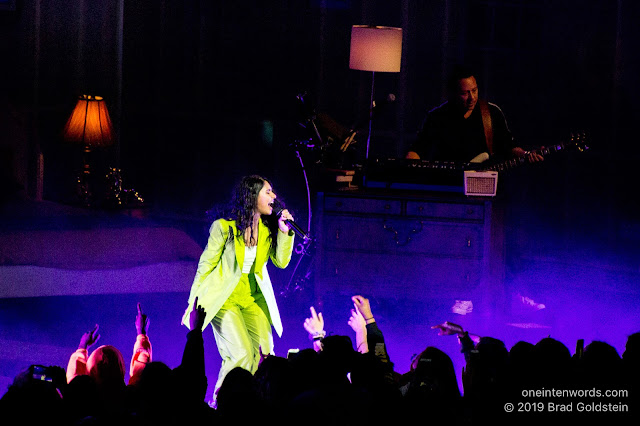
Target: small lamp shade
column 377, row 49
column 89, row 123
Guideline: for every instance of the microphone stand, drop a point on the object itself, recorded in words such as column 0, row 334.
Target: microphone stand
column 306, row 182
column 302, row 248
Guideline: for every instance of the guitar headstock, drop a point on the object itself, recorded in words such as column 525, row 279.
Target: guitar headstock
column 579, row 141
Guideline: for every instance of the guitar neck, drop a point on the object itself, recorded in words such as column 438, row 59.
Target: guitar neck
column 544, row 152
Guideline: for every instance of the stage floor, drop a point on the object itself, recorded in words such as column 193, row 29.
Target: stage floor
column 52, row 296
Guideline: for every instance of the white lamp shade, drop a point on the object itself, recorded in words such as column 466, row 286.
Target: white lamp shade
column 376, row 49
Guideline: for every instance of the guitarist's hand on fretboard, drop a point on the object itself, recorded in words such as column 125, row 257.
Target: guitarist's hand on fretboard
column 520, row 156
column 531, row 156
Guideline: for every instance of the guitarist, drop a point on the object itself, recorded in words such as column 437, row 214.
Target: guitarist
column 465, row 128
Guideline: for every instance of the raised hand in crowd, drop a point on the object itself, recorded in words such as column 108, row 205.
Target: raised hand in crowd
column 89, row 338
column 358, row 322
column 315, row 327
column 142, row 321
column 448, row 329
column 142, row 351
column 196, row 316
column 363, row 306
column 190, row 376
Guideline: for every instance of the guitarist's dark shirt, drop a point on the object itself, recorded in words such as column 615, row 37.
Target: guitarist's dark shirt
column 447, row 136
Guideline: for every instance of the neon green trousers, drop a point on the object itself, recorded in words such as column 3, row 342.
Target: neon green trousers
column 242, row 329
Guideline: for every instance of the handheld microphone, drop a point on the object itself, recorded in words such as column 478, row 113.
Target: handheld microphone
column 277, row 210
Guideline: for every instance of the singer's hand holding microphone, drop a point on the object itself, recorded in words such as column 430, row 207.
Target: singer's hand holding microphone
column 285, row 220
column 283, row 217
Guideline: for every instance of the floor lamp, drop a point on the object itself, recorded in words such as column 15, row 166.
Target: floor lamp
column 375, row 49
column 89, row 126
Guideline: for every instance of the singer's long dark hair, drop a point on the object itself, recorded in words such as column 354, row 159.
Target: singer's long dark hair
column 242, row 206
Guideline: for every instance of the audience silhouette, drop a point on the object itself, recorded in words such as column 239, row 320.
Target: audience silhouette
column 336, row 380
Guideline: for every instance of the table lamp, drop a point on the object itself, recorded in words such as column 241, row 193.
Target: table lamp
column 89, row 126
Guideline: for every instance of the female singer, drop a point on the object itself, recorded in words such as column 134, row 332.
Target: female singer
column 232, row 283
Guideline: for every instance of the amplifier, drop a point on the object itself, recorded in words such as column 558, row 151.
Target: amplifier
column 480, row 183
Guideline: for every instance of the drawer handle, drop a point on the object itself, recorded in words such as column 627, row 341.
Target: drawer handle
column 396, row 237
column 468, row 242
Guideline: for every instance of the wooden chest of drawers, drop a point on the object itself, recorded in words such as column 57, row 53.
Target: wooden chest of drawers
column 405, row 246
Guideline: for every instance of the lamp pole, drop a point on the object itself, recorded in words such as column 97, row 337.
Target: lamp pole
column 373, row 76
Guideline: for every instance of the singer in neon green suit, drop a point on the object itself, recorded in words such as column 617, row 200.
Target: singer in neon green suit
column 232, row 283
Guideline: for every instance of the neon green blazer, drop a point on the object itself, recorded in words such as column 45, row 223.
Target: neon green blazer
column 220, row 268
